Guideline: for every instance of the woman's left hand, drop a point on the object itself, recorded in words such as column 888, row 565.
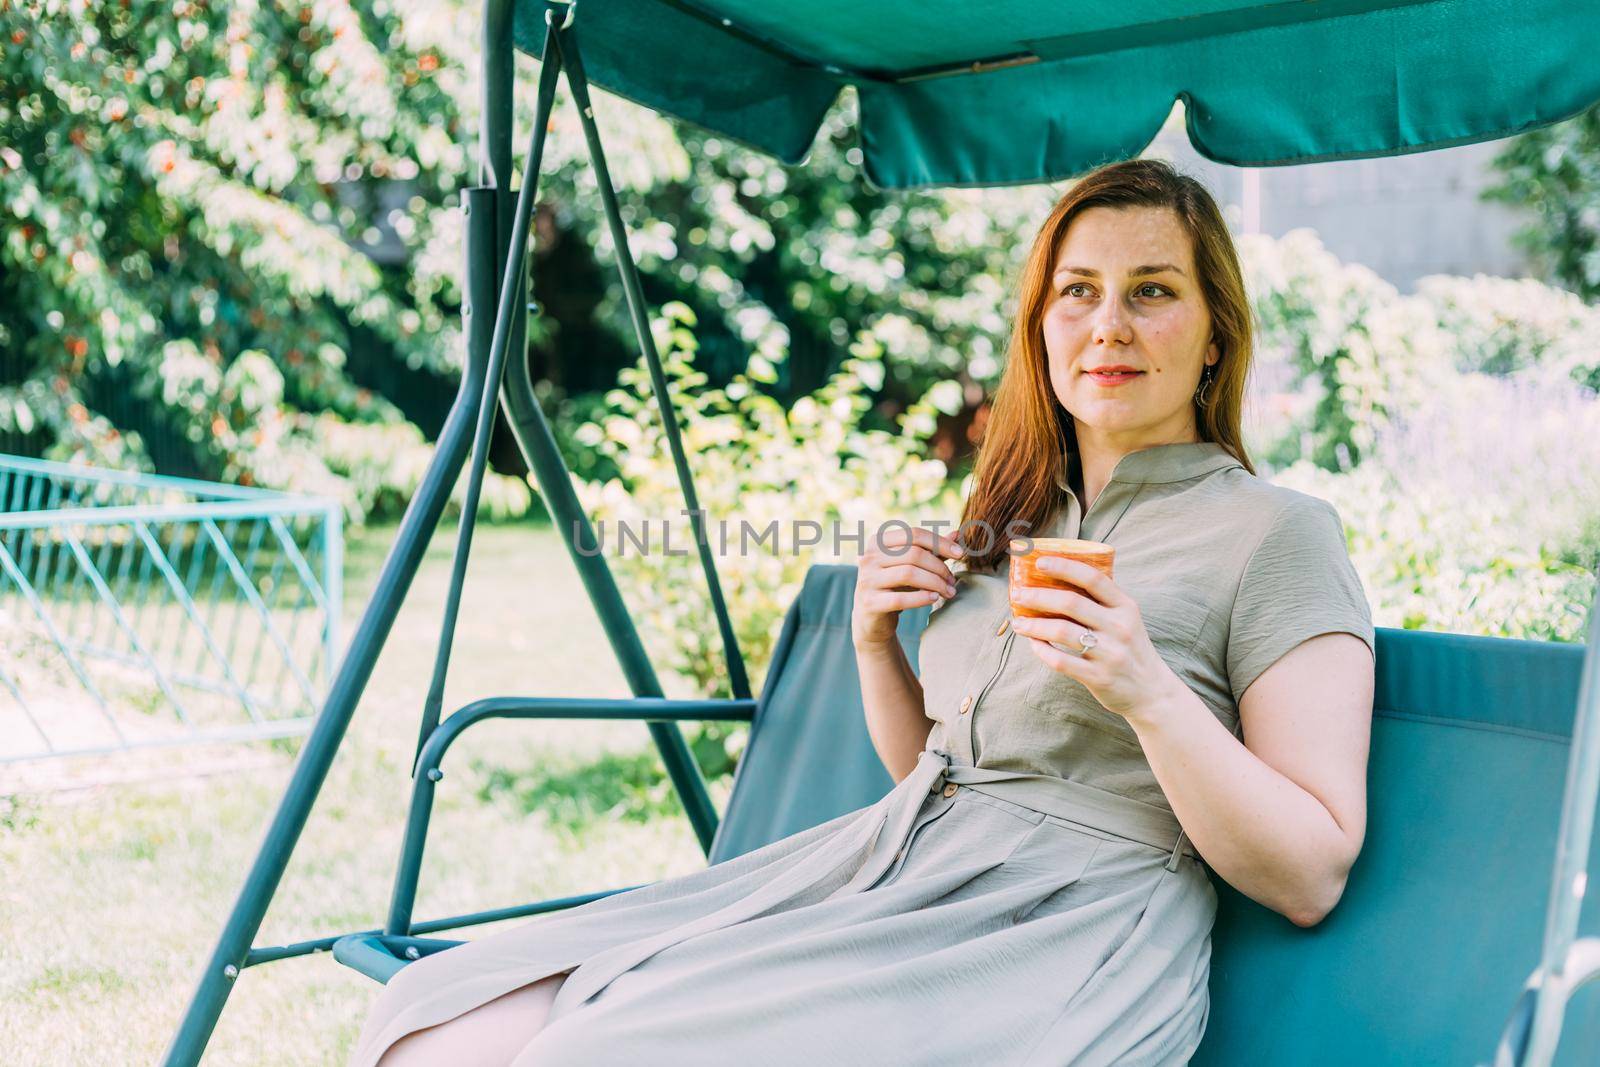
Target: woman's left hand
column 1123, row 670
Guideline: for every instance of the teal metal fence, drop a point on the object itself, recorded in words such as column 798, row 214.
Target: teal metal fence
column 140, row 610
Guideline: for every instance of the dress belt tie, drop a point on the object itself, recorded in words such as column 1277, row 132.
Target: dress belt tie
column 1074, row 802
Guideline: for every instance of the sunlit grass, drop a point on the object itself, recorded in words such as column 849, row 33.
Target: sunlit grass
column 111, row 894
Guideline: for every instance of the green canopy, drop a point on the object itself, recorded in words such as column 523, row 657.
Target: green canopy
column 1009, row 91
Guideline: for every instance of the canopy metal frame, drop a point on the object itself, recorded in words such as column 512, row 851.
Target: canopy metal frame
column 497, row 227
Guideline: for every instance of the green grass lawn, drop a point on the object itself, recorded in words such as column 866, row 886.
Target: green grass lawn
column 111, row 894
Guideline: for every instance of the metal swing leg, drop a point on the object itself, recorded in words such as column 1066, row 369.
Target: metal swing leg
column 475, row 407
column 421, row 517
column 539, row 448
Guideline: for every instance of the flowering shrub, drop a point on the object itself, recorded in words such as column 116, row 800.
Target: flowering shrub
column 1457, row 431
column 285, row 180
column 254, row 438
column 1480, row 513
column 757, row 464
column 1349, row 349
column 378, row 467
column 1516, row 326
column 1342, row 353
column 174, row 187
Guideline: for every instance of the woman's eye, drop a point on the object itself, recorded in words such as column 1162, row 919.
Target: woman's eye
column 1081, row 289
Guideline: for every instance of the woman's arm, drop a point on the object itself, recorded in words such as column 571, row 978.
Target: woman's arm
column 1282, row 816
column 903, row 567
column 893, row 699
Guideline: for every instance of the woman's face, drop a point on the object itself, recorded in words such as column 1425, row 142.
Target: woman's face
column 1124, row 293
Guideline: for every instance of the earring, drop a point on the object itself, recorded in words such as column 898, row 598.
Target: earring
column 1206, row 378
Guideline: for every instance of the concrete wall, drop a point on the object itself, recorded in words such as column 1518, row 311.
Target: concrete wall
column 1403, row 216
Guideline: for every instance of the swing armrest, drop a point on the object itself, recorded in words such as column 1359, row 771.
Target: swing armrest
column 381, row 956
column 648, row 709
column 634, row 709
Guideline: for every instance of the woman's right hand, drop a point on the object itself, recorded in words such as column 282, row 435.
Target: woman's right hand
column 902, row 567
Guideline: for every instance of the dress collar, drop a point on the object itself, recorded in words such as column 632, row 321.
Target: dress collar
column 1168, row 463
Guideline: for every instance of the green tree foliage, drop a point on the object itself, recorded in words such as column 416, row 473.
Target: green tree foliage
column 193, row 196
column 1554, row 172
column 177, row 223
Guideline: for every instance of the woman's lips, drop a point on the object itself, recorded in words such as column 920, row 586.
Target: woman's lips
column 1113, row 379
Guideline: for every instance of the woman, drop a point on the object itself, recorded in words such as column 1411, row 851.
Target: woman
column 1031, row 891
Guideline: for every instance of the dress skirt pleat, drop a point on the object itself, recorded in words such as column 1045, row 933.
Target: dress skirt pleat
column 920, row 929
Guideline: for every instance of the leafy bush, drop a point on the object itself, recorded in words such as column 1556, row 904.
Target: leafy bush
column 754, row 463
column 1350, row 350
column 175, row 183
column 380, row 465
column 1507, row 326
column 254, row 438
column 1479, row 513
column 223, row 176
column 1343, row 353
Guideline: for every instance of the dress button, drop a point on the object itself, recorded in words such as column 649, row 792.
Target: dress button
column 1002, row 629
column 950, row 790
column 966, row 704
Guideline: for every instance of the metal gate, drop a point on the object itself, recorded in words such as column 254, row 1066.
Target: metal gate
column 140, row 610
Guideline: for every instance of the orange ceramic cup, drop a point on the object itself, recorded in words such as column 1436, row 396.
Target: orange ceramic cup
column 1025, row 570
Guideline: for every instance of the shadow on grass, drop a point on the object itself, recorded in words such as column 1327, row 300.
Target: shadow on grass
column 573, row 794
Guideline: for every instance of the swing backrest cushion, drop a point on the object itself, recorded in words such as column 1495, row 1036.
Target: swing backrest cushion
column 1441, row 922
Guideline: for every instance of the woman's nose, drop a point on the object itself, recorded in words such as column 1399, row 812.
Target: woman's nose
column 1111, row 323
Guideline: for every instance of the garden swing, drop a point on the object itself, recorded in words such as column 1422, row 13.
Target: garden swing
column 1485, row 760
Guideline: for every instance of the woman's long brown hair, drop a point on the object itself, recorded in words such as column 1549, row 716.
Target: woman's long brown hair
column 1029, row 437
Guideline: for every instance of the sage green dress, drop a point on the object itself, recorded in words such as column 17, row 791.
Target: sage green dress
column 1025, row 896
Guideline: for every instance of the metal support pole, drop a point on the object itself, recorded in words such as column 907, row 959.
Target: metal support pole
column 538, row 445
column 579, row 84
column 421, row 518
column 482, row 235
column 1534, row 1029
column 481, row 231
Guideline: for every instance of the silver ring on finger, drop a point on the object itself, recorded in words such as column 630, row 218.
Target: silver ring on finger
column 1086, row 640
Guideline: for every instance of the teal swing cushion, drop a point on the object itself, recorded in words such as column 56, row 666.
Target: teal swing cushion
column 1442, row 919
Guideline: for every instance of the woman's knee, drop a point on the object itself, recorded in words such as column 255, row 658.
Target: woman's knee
column 488, row 1036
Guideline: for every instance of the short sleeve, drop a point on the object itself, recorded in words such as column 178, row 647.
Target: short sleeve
column 1298, row 583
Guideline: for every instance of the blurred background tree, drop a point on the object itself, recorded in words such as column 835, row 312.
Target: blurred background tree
column 231, row 247
column 1554, row 173
column 185, row 260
